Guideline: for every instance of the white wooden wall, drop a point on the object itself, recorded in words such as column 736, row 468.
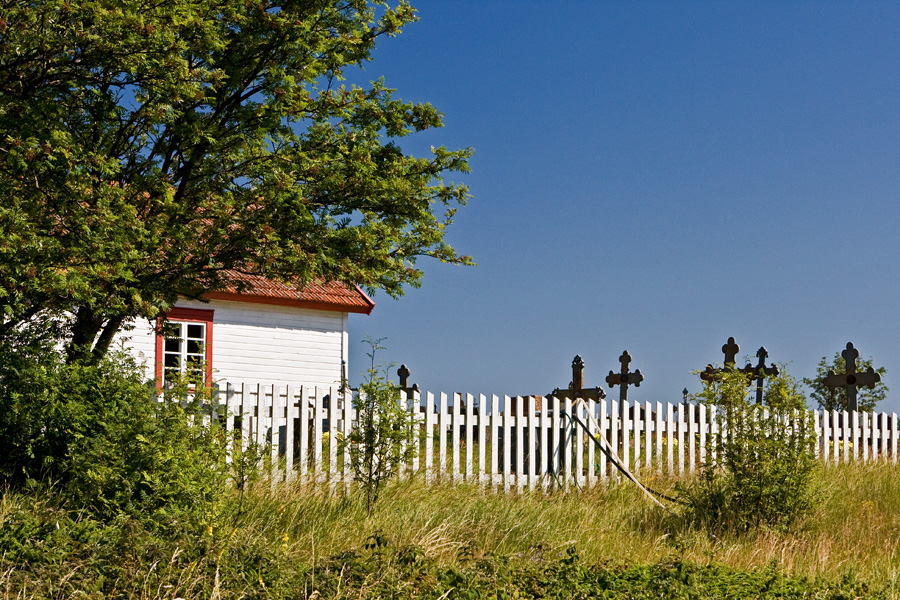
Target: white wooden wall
column 261, row 342
column 650, row 438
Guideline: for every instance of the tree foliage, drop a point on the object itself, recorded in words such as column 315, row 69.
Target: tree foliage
column 836, row 399
column 152, row 149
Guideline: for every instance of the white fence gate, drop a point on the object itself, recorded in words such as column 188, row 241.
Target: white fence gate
column 514, row 442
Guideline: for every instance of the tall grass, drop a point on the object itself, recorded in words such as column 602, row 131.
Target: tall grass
column 856, row 527
column 272, row 540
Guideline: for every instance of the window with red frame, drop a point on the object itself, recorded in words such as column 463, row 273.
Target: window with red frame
column 184, row 346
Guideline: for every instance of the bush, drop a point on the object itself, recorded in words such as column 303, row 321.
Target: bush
column 760, row 471
column 383, row 437
column 100, row 436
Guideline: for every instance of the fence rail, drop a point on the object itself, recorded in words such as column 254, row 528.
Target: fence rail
column 514, row 442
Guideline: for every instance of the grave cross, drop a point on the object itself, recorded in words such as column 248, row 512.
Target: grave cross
column 851, row 380
column 576, row 388
column 730, row 350
column 403, row 374
column 623, row 378
column 760, row 372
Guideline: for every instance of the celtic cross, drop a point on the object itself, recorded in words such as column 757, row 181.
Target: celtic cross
column 851, row 380
column 623, row 378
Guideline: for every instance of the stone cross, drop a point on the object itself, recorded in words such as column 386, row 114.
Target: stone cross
column 851, row 380
column 403, row 374
column 730, row 349
column 760, row 372
column 623, row 378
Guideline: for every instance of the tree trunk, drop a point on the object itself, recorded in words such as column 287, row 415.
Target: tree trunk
column 88, row 324
column 106, row 337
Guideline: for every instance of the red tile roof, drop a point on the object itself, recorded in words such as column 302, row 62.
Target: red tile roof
column 331, row 295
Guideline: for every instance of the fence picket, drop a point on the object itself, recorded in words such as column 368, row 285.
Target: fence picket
column 259, row 432
column 346, row 430
column 703, row 412
column 469, row 437
column 863, row 436
column 602, row 423
column 895, row 434
column 555, row 458
column 692, row 414
column 289, row 433
column 544, row 462
column 565, row 468
column 483, row 438
column 319, row 407
column 246, row 418
column 494, row 436
column 303, row 450
column 614, row 434
column 626, row 438
column 579, row 448
column 413, row 407
column 519, row 437
column 679, row 437
column 275, row 435
column 429, row 437
column 648, row 438
column 456, row 420
column 229, row 422
column 506, row 467
column 632, row 413
column 532, row 444
column 443, row 428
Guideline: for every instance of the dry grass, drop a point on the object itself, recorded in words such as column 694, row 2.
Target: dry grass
column 857, row 526
column 291, row 528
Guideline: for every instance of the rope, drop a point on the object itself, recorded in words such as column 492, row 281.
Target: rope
column 613, row 457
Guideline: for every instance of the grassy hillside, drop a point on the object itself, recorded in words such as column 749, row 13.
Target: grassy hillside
column 454, row 541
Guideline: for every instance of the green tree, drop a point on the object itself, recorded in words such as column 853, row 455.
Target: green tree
column 150, row 150
column 836, row 399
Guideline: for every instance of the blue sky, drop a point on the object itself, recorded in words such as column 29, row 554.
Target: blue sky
column 653, row 177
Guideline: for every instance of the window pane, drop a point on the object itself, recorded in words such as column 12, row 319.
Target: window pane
column 184, row 351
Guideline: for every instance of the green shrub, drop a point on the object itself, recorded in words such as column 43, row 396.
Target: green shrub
column 99, row 434
column 760, row 471
column 383, row 437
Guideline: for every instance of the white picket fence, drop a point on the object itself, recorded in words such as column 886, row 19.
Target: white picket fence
column 514, row 443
